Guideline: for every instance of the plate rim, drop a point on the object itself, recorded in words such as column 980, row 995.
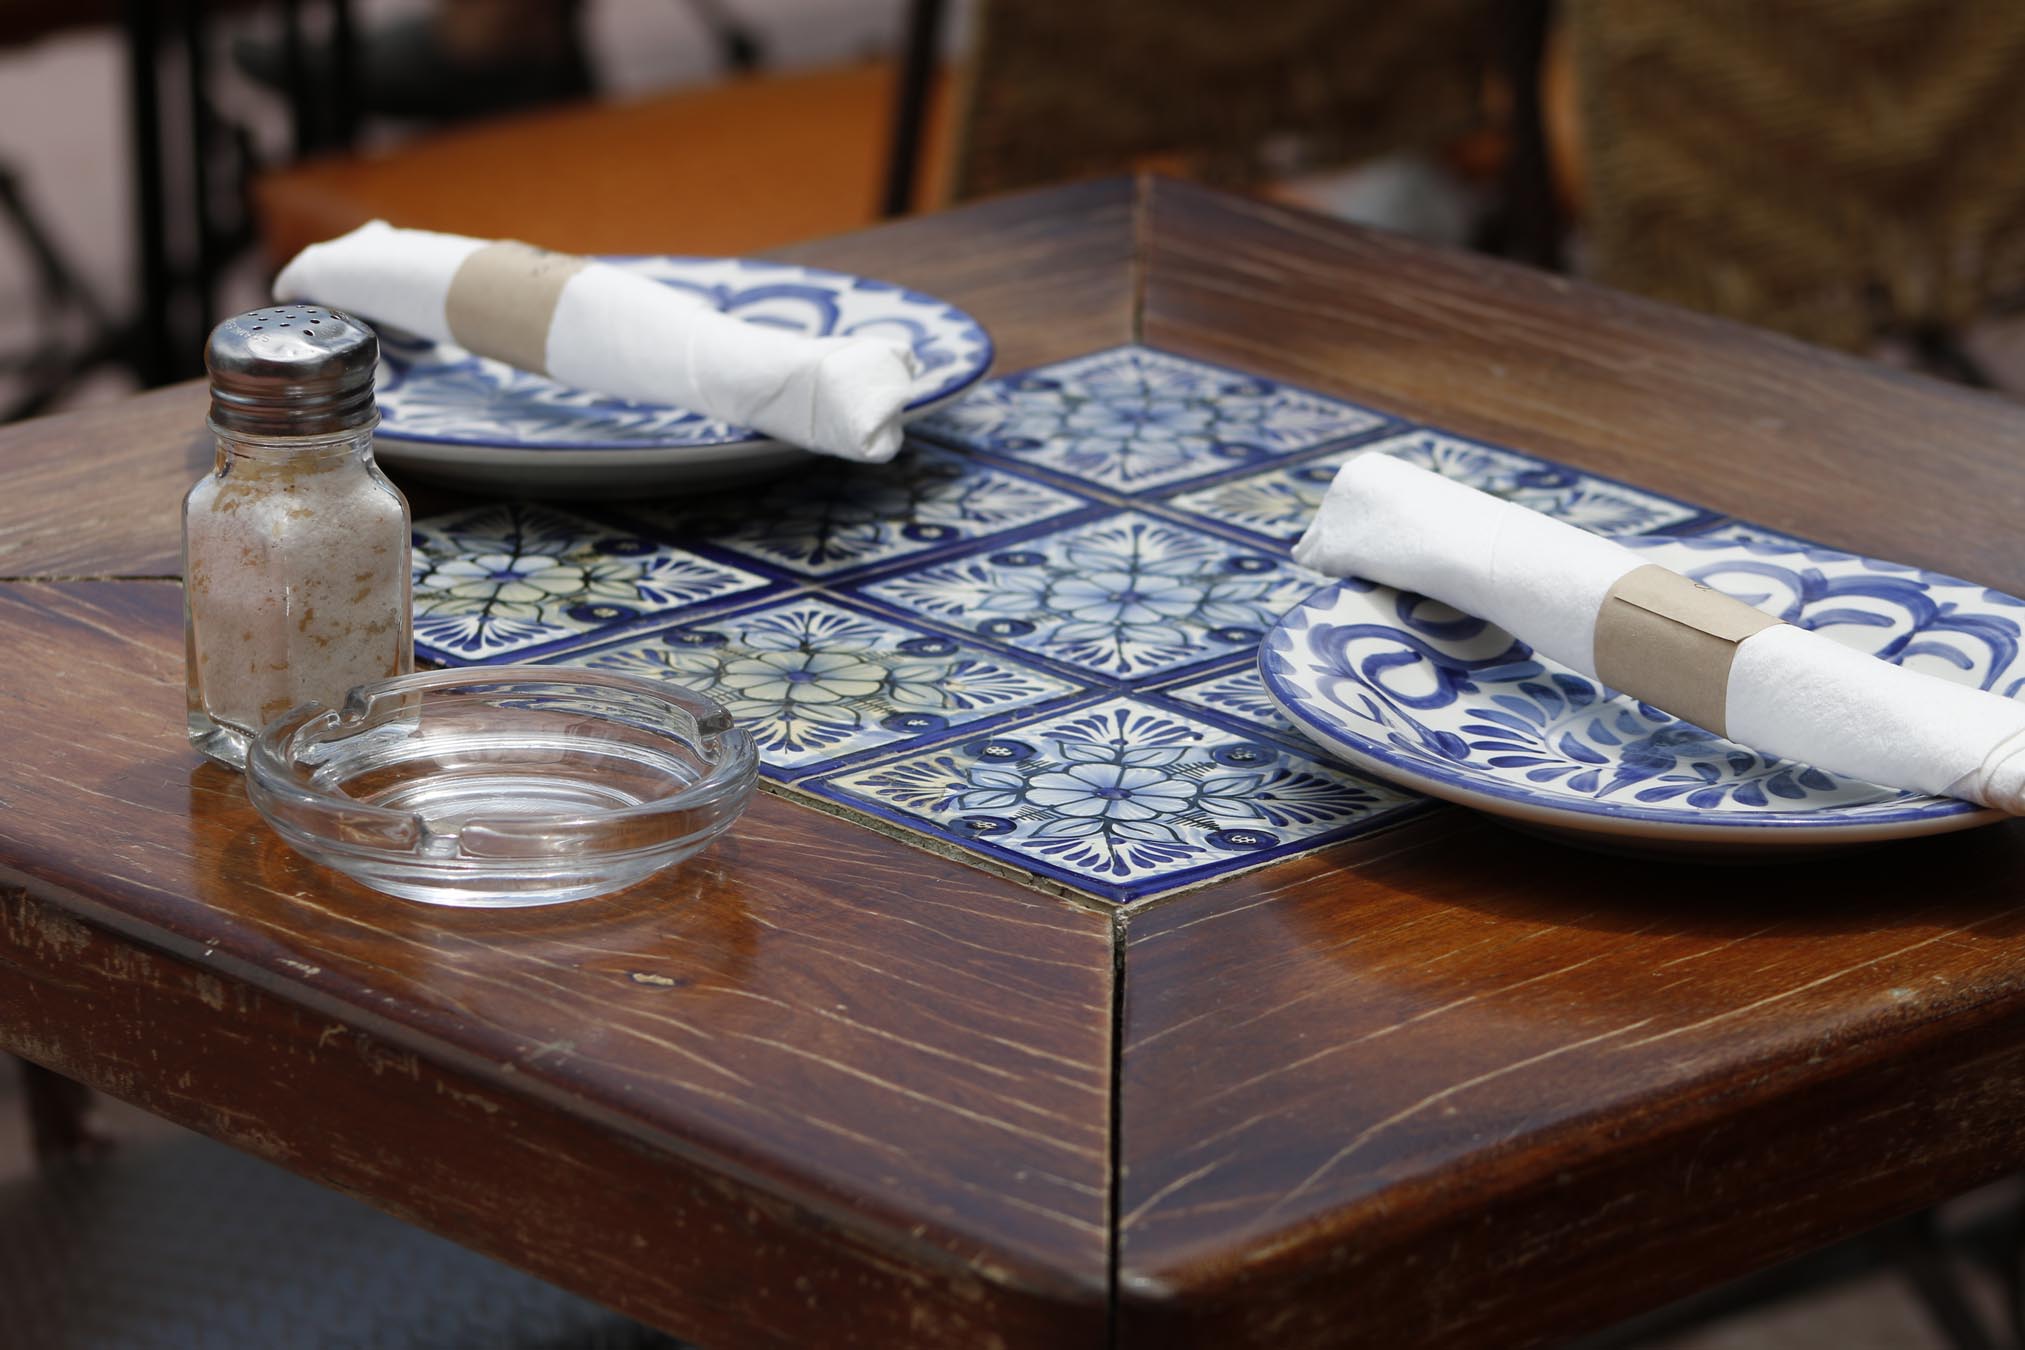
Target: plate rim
column 411, row 450
column 1927, row 814
column 920, row 405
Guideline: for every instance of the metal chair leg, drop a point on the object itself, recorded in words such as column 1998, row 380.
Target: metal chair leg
column 917, row 71
column 155, row 358
column 1529, row 218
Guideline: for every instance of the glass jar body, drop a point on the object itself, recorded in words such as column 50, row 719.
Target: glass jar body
column 295, row 582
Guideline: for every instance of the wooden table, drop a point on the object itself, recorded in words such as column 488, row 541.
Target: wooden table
column 1443, row 1085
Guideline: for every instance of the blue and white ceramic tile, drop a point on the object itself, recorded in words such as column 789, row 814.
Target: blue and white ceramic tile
column 508, row 581
column 838, row 517
column 1124, row 597
column 1238, row 694
column 1278, row 503
column 1121, row 799
column 953, row 658
column 1132, row 419
column 1432, row 698
column 814, row 681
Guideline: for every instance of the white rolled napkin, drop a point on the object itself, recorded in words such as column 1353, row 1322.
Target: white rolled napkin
column 602, row 328
column 1788, row 692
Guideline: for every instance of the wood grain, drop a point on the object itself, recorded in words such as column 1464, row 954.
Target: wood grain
column 1454, row 1086
column 851, row 1060
column 99, row 493
column 1448, row 1085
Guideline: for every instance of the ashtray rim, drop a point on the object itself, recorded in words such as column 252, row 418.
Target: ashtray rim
column 338, row 829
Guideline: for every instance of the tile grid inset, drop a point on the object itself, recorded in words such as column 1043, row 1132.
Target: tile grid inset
column 1091, row 597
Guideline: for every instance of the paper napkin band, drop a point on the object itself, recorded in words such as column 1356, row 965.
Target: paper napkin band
column 502, row 298
column 1669, row 642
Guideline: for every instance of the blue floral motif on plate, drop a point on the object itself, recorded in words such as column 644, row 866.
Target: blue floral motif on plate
column 814, row 681
column 1123, row 597
column 1278, row 503
column 1122, row 798
column 1407, row 687
column 840, row 517
column 1132, row 419
column 507, row 581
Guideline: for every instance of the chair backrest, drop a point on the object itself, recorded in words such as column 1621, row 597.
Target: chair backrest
column 1065, row 88
column 1833, row 168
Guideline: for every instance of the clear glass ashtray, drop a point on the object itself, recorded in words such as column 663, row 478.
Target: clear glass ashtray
column 504, row 785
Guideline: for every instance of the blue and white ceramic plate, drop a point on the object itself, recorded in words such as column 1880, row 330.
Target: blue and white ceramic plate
column 1414, row 692
column 448, row 414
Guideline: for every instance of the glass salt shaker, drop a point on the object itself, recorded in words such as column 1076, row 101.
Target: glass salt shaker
column 295, row 547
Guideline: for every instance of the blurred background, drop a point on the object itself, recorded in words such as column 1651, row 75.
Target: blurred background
column 1849, row 172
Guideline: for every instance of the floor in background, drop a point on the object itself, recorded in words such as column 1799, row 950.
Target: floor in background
column 114, row 1119
column 73, row 166
column 1879, row 1313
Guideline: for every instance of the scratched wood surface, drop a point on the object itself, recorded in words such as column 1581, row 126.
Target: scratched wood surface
column 814, row 1087
column 1444, row 1086
column 889, row 1094
column 1455, row 1086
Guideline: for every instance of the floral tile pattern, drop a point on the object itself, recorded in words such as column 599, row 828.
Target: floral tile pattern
column 1238, row 694
column 509, row 581
column 1132, row 419
column 813, row 680
column 1278, row 504
column 1035, row 640
column 836, row 517
column 1120, row 598
column 1121, row 797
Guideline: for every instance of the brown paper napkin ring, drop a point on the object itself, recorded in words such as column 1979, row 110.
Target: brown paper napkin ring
column 1670, row 642
column 502, row 299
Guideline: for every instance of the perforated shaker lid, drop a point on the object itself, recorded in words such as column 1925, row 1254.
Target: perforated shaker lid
column 292, row 370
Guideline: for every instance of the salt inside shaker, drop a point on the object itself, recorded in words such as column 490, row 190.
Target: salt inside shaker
column 295, row 547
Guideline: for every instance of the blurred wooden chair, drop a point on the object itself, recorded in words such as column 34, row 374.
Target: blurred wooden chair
column 1050, row 90
column 1229, row 94
column 181, row 239
column 723, row 169
column 1838, row 169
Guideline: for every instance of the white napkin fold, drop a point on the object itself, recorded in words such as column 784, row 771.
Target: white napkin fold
column 1792, row 693
column 618, row 333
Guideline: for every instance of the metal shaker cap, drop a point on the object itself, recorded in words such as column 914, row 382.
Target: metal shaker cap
column 292, row 370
